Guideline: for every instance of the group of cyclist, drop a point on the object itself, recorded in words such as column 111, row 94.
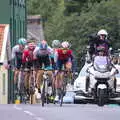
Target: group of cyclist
column 27, row 54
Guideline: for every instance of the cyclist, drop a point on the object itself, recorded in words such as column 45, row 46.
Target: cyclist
column 42, row 54
column 16, row 60
column 28, row 62
column 63, row 58
column 56, row 44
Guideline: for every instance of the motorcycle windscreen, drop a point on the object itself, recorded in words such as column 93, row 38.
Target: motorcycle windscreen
column 101, row 63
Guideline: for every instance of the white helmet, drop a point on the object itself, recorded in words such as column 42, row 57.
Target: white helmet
column 102, row 32
column 65, row 44
column 55, row 43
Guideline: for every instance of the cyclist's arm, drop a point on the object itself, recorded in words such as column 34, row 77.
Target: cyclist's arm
column 50, row 50
column 35, row 52
column 11, row 62
column 55, row 57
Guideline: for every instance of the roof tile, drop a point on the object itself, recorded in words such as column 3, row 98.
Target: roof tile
column 2, row 28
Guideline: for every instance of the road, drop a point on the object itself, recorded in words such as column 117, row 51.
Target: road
column 55, row 112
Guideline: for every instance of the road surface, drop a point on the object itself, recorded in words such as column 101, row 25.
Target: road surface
column 55, row 112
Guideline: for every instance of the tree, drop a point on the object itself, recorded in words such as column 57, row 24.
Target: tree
column 55, row 26
column 74, row 20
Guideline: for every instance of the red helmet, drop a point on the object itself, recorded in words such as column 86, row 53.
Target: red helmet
column 65, row 44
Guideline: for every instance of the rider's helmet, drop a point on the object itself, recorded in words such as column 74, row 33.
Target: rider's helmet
column 55, row 43
column 43, row 44
column 31, row 46
column 102, row 32
column 65, row 44
column 22, row 41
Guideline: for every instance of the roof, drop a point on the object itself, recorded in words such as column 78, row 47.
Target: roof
column 4, row 36
column 35, row 31
column 2, row 29
column 33, row 17
column 34, row 28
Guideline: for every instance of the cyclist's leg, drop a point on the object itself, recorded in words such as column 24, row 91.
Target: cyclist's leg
column 18, row 64
column 16, row 73
column 68, row 68
column 29, row 66
column 36, row 69
column 39, row 74
column 58, row 79
column 68, row 65
column 27, row 75
column 46, row 62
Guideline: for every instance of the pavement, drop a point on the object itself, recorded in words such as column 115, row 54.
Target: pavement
column 55, row 112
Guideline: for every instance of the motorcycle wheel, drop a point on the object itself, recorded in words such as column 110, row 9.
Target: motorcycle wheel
column 101, row 98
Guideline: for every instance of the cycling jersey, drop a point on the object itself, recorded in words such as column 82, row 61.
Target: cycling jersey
column 17, row 56
column 42, row 56
column 27, row 56
column 64, row 54
column 62, row 57
column 16, row 52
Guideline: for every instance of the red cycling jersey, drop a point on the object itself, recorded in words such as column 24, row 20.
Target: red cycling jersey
column 27, row 55
column 64, row 54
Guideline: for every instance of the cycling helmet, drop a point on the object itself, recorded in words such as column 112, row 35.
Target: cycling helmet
column 43, row 44
column 55, row 43
column 22, row 41
column 65, row 44
column 31, row 45
column 102, row 32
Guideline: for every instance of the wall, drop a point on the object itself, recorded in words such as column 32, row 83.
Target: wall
column 4, row 11
column 3, row 85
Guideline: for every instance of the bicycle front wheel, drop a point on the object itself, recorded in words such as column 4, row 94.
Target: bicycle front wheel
column 43, row 94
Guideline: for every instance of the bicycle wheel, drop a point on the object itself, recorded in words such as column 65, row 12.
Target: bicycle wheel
column 32, row 88
column 21, row 87
column 43, row 93
column 63, row 89
column 61, row 96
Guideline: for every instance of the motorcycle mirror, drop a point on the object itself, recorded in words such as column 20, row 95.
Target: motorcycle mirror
column 1, row 63
column 88, row 47
column 88, row 71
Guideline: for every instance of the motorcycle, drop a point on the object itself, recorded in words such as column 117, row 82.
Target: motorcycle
column 100, row 83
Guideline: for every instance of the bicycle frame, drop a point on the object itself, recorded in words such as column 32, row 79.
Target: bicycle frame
column 64, row 84
column 44, row 95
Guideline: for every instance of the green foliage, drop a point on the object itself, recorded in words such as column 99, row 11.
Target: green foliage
column 64, row 22
column 55, row 26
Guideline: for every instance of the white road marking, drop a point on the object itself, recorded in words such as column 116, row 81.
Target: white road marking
column 17, row 108
column 28, row 113
column 38, row 118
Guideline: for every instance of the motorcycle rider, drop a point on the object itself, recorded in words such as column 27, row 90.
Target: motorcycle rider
column 101, row 39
